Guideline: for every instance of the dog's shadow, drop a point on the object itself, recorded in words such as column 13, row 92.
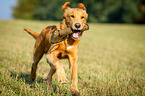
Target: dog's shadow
column 26, row 78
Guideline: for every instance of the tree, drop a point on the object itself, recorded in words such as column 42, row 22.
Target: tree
column 111, row 11
column 49, row 10
column 25, row 8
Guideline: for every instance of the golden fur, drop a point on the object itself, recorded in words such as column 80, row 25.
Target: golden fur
column 75, row 18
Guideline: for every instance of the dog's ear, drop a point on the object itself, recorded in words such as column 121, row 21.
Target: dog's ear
column 82, row 6
column 65, row 6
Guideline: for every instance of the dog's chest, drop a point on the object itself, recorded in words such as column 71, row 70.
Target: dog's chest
column 65, row 52
column 69, row 48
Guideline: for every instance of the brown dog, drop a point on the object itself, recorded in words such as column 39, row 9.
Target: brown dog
column 75, row 18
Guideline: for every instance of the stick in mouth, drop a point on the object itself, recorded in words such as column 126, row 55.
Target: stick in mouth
column 67, row 31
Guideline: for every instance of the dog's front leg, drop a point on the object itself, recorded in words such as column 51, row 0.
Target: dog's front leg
column 74, row 73
column 56, row 65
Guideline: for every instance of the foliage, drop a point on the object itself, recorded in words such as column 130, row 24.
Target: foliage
column 111, row 61
column 111, row 11
column 25, row 9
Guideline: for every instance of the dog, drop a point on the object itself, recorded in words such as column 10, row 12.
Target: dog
column 74, row 18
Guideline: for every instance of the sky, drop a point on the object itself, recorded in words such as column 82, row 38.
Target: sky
column 6, row 8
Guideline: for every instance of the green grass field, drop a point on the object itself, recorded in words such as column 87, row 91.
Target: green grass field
column 111, row 61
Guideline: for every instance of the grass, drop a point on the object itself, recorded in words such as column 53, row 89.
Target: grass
column 111, row 60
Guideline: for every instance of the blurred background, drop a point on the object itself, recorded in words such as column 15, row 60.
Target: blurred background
column 102, row 11
column 111, row 56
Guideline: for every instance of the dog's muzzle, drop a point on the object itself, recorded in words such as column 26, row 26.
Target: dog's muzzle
column 74, row 33
column 77, row 31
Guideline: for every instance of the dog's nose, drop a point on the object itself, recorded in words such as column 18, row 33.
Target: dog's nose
column 77, row 25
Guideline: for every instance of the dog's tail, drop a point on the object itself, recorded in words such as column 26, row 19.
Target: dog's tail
column 34, row 34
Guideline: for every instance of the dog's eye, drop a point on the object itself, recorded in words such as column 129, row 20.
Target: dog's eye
column 82, row 17
column 72, row 16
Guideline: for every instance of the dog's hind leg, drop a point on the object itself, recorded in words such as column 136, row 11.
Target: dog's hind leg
column 37, row 55
column 49, row 77
column 36, row 58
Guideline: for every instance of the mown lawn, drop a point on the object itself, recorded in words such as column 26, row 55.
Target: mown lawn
column 111, row 60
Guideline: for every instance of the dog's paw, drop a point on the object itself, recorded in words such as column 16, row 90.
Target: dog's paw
column 62, row 78
column 32, row 79
column 75, row 92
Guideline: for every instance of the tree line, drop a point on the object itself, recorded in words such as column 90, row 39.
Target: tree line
column 105, row 11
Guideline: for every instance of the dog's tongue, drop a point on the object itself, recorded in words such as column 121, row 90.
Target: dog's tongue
column 75, row 35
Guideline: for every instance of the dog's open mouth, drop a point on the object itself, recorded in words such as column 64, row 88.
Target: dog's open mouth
column 75, row 34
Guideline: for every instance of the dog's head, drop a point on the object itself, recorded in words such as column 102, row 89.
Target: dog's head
column 75, row 18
